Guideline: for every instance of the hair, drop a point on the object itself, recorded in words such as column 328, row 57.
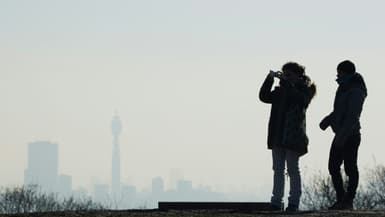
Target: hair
column 300, row 71
column 347, row 67
column 294, row 67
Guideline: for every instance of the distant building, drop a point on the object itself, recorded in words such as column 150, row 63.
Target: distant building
column 42, row 166
column 129, row 196
column 80, row 193
column 157, row 186
column 64, row 185
column 184, row 190
column 184, row 186
column 129, row 191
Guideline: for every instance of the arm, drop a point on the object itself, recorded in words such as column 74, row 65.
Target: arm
column 265, row 93
column 326, row 122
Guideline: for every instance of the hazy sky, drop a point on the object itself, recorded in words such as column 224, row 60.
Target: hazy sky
column 183, row 76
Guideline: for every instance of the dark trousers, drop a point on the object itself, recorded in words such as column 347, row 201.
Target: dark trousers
column 348, row 156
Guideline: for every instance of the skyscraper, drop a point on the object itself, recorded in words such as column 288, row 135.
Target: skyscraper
column 157, row 186
column 42, row 165
column 116, row 127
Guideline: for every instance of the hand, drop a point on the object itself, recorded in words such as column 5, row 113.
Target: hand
column 271, row 73
column 276, row 74
column 324, row 124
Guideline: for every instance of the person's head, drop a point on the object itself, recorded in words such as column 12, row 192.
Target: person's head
column 345, row 67
column 293, row 71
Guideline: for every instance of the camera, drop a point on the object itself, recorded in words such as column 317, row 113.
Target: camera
column 276, row 74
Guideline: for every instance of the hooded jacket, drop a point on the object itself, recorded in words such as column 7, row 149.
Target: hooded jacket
column 348, row 103
column 287, row 123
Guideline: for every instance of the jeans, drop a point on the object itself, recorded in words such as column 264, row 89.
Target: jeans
column 280, row 156
column 348, row 156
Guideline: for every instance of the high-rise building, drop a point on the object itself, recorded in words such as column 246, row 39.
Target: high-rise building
column 157, row 186
column 64, row 185
column 157, row 191
column 184, row 190
column 184, row 186
column 43, row 165
column 116, row 128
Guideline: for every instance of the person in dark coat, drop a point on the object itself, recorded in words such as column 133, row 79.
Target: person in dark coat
column 287, row 128
column 345, row 123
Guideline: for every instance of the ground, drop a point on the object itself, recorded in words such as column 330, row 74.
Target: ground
column 201, row 213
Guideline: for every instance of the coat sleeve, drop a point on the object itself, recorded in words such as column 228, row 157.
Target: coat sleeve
column 354, row 107
column 265, row 93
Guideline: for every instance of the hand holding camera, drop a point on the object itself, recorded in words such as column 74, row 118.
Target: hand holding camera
column 276, row 74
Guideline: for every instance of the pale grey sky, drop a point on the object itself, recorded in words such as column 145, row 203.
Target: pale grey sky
column 183, row 76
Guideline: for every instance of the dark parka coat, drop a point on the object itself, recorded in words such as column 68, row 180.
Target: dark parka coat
column 348, row 103
column 287, row 124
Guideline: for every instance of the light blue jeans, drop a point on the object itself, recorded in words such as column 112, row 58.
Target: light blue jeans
column 280, row 156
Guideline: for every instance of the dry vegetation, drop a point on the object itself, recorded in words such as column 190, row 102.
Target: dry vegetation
column 318, row 194
column 202, row 213
column 27, row 199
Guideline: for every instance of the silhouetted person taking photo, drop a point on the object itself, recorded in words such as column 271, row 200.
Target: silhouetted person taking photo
column 345, row 123
column 287, row 128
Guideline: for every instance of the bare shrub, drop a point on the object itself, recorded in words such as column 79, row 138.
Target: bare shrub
column 31, row 199
column 375, row 186
column 318, row 192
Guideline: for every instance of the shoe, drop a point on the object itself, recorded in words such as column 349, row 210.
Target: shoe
column 291, row 209
column 274, row 208
column 348, row 202
column 348, row 205
column 342, row 205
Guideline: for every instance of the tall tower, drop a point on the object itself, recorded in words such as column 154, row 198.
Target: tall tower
column 116, row 128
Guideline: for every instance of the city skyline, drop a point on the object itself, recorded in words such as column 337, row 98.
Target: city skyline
column 42, row 171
